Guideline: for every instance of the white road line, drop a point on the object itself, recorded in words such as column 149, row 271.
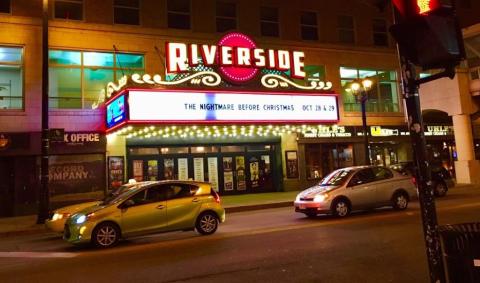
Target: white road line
column 36, row 255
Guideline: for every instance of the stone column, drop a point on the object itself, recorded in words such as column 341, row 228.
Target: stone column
column 466, row 167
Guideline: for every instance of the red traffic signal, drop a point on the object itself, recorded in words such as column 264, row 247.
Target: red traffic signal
column 428, row 34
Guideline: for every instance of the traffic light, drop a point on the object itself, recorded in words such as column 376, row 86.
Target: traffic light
column 428, row 33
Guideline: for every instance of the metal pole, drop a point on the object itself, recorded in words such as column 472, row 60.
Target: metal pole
column 365, row 131
column 422, row 168
column 43, row 207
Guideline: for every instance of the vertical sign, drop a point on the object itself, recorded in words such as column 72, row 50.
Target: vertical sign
column 182, row 169
column 240, row 169
column 213, row 172
column 138, row 170
column 198, row 170
column 228, row 173
column 116, row 173
column 292, row 164
column 254, row 172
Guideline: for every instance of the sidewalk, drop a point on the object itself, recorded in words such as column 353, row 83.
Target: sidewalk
column 26, row 225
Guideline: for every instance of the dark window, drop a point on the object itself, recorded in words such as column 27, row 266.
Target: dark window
column 126, row 12
column 380, row 35
column 467, row 4
column 362, row 177
column 180, row 191
column 178, row 14
column 156, row 194
column 269, row 22
column 138, row 198
column 382, row 173
column 5, row 6
column 226, row 16
column 346, row 29
column 309, row 25
column 69, row 9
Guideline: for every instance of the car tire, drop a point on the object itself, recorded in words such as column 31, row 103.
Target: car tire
column 440, row 189
column 207, row 223
column 311, row 214
column 105, row 235
column 341, row 208
column 400, row 201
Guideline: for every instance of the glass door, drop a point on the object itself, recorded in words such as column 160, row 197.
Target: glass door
column 259, row 172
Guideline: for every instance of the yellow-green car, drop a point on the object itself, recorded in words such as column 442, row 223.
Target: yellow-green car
column 56, row 222
column 149, row 208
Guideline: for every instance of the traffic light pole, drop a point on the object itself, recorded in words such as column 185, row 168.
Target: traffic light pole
column 422, row 170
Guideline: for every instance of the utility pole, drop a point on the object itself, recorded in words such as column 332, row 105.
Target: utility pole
column 44, row 195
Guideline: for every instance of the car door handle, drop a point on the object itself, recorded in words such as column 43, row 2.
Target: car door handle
column 160, row 207
column 195, row 200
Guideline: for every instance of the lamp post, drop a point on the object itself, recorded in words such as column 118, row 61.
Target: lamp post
column 360, row 91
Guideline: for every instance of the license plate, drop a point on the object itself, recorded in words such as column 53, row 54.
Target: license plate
column 302, row 206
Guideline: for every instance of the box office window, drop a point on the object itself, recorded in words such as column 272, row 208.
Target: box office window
column 309, row 25
column 269, row 21
column 5, row 6
column 69, row 9
column 178, row 14
column 226, row 17
column 126, row 12
column 11, row 77
column 78, row 79
column 383, row 96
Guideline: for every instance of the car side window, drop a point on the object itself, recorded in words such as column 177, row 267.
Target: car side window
column 138, row 198
column 156, row 194
column 179, row 191
column 382, row 173
column 362, row 177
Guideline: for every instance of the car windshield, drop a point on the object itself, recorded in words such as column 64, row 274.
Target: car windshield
column 335, row 178
column 116, row 194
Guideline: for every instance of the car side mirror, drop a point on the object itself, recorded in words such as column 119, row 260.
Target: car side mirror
column 127, row 204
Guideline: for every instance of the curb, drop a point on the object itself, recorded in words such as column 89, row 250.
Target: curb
column 232, row 209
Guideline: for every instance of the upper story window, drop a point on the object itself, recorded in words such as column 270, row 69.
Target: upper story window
column 11, row 77
column 269, row 21
column 467, row 4
column 383, row 97
column 346, row 29
column 309, row 25
column 226, row 16
column 5, row 6
column 126, row 12
column 69, row 9
column 77, row 79
column 178, row 14
column 380, row 35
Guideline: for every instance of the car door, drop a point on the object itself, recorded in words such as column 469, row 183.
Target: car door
column 385, row 185
column 147, row 211
column 361, row 190
column 182, row 206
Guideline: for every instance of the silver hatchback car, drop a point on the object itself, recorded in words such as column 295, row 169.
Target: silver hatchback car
column 356, row 188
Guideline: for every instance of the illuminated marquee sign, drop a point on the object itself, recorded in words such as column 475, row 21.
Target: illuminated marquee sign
column 116, row 111
column 237, row 57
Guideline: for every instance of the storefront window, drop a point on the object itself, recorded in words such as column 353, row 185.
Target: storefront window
column 383, row 97
column 11, row 78
column 321, row 159
column 204, row 149
column 78, row 79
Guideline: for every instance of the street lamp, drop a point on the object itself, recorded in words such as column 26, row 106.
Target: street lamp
column 360, row 91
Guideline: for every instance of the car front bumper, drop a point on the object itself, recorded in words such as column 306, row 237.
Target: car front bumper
column 55, row 225
column 77, row 234
column 312, row 207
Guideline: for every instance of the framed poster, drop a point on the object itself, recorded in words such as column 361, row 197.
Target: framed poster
column 291, row 160
column 152, row 170
column 116, row 172
column 227, row 173
column 182, row 169
column 240, row 168
column 168, row 169
column 213, row 172
column 198, row 170
column 138, row 170
column 254, row 172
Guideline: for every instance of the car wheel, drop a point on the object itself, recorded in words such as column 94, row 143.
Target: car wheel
column 207, row 223
column 400, row 201
column 105, row 235
column 341, row 208
column 440, row 189
column 311, row 214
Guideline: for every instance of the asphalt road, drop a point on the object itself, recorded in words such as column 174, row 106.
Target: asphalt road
column 275, row 245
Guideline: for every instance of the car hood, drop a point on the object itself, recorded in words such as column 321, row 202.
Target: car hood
column 315, row 190
column 71, row 209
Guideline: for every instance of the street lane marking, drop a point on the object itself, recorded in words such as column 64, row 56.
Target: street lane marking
column 36, row 255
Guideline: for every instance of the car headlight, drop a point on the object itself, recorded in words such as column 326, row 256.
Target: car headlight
column 57, row 216
column 297, row 198
column 320, row 198
column 81, row 219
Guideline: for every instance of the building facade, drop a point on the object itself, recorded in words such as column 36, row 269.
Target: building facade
column 92, row 43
